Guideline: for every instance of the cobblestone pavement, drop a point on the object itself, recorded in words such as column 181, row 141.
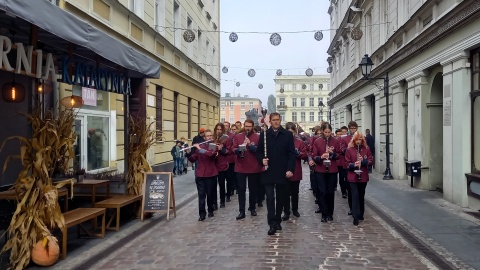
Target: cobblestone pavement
column 222, row 242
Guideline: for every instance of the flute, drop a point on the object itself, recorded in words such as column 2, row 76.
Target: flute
column 194, row 146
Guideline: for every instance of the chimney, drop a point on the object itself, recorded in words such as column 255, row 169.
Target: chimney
column 227, row 94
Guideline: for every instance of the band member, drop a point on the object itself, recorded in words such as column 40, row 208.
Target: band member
column 234, row 129
column 342, row 174
column 221, row 162
column 357, row 159
column 246, row 166
column 317, row 133
column 280, row 166
column 294, row 181
column 231, row 177
column 238, row 124
column 205, row 174
column 352, row 127
column 324, row 156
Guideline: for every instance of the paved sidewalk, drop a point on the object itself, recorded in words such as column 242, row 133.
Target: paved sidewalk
column 442, row 225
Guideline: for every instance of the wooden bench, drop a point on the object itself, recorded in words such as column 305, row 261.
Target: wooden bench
column 117, row 202
column 78, row 216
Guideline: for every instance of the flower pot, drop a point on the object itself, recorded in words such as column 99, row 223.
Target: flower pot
column 80, row 178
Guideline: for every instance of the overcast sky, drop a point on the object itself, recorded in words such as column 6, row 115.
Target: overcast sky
column 294, row 55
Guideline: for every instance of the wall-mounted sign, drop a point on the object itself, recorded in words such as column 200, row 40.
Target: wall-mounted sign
column 89, row 96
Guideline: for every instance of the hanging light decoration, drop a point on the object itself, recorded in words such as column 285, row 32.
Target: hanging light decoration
column 329, row 70
column 275, row 39
column 260, row 86
column 356, row 33
column 318, row 35
column 13, row 92
column 233, row 37
column 72, row 101
column 251, row 72
column 309, row 72
column 224, row 69
column 304, row 86
column 279, row 72
column 189, row 35
column 237, row 84
column 320, row 86
column 282, row 90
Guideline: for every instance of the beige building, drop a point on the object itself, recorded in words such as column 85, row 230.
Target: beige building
column 298, row 98
column 430, row 51
column 233, row 109
column 187, row 94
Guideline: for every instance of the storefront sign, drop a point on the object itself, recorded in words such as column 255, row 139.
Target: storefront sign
column 83, row 75
column 89, row 96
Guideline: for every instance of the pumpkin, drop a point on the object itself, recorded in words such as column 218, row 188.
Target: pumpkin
column 46, row 252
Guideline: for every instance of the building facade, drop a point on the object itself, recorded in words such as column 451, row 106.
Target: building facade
column 430, row 52
column 187, row 94
column 233, row 109
column 298, row 98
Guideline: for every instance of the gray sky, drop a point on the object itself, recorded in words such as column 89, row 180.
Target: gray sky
column 296, row 52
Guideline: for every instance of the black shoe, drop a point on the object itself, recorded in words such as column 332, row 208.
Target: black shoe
column 285, row 217
column 361, row 218
column 295, row 213
column 323, row 220
column 318, row 211
column 260, row 204
column 201, row 218
column 344, row 195
column 228, row 199
column 355, row 222
column 241, row 216
column 210, row 214
column 278, row 227
column 350, row 213
column 271, row 231
column 330, row 218
column 222, row 205
column 253, row 213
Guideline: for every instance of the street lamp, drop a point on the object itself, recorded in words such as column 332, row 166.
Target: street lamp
column 320, row 109
column 366, row 65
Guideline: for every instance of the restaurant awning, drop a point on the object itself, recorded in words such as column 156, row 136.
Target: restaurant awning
column 58, row 28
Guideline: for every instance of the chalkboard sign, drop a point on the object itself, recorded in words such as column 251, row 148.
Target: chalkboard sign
column 158, row 193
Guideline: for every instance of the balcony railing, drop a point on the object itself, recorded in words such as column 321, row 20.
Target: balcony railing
column 281, row 107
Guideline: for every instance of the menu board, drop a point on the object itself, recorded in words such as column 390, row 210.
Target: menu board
column 158, row 193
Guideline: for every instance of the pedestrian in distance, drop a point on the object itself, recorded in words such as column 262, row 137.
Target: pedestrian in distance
column 294, row 181
column 205, row 174
column 279, row 166
column 324, row 156
column 357, row 159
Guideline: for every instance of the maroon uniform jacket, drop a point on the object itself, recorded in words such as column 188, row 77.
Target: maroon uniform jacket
column 206, row 161
column 221, row 161
column 249, row 163
column 319, row 148
column 311, row 140
column 344, row 141
column 351, row 158
column 302, row 155
column 228, row 145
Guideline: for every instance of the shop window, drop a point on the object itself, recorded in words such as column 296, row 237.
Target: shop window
column 475, row 95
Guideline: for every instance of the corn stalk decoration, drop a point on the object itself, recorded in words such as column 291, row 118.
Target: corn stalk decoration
column 38, row 211
column 142, row 137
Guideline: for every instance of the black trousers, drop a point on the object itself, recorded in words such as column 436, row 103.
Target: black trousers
column 231, row 179
column 260, row 192
column 342, row 179
column 253, row 179
column 293, row 189
column 275, row 207
column 358, row 199
column 326, row 188
column 313, row 184
column 222, row 177
column 205, row 189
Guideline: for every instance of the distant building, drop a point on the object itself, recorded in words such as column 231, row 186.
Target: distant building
column 298, row 98
column 233, row 109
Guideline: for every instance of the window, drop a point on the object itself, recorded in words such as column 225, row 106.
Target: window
column 294, row 102
column 242, row 105
column 177, row 24
column 302, row 116
column 158, row 108
column 311, row 86
column 282, row 101
column 320, row 116
column 282, row 86
column 312, row 102
column 294, row 116
column 312, row 116
column 231, row 105
column 223, row 106
column 213, row 57
column 137, row 7
column 98, row 142
column 207, row 52
column 476, row 110
column 160, row 16
column 242, row 119
column 231, row 120
column 222, row 119
column 294, row 87
column 250, row 105
column 302, row 102
column 199, row 45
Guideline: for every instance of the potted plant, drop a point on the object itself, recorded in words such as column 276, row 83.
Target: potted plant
column 80, row 175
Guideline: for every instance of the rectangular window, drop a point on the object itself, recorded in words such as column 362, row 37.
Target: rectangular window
column 312, row 102
column 177, row 24
column 302, row 116
column 282, row 101
column 231, row 105
column 160, row 16
column 312, row 116
column 223, row 106
column 320, row 116
column 250, row 105
column 98, row 142
column 231, row 120
column 475, row 95
column 294, row 116
column 282, row 86
column 242, row 119
column 294, row 87
column 302, row 102
column 294, row 102
column 242, row 105
column 137, row 7
column 158, row 111
column 311, row 86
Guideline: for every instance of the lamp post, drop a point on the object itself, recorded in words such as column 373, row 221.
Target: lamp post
column 366, row 66
column 320, row 109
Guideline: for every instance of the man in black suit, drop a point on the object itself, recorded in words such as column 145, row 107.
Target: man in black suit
column 280, row 160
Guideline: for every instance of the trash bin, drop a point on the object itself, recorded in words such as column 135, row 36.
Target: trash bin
column 413, row 169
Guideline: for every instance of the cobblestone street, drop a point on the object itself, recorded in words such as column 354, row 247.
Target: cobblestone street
column 222, row 242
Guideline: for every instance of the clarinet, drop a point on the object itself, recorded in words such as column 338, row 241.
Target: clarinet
column 326, row 150
column 359, row 168
column 265, row 143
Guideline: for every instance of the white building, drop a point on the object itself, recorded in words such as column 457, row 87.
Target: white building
column 298, row 99
column 430, row 50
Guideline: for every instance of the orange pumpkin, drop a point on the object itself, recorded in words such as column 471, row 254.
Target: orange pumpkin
column 45, row 255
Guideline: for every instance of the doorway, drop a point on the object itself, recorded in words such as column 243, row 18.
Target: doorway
column 435, row 110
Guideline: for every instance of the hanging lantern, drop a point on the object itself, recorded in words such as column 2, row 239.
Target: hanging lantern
column 44, row 87
column 275, row 39
column 260, row 86
column 224, row 69
column 72, row 101
column 329, row 70
column 282, row 90
column 356, row 33
column 309, row 72
column 279, row 72
column 318, row 35
column 237, row 84
column 304, row 86
column 13, row 92
column 251, row 73
column 233, row 37
column 189, row 35
column 320, row 86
